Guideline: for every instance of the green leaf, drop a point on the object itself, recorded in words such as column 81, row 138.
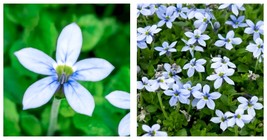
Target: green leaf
column 11, row 119
column 92, row 31
column 45, row 118
column 181, row 132
column 242, row 68
column 30, row 124
column 43, row 37
column 65, row 110
column 151, row 108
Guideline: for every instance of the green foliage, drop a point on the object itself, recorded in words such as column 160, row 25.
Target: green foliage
column 106, row 34
column 183, row 120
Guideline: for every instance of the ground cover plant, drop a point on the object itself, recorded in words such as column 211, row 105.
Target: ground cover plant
column 200, row 69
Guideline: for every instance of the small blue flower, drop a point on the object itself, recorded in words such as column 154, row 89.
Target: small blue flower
column 121, row 100
column 250, row 105
column 153, row 131
column 147, row 33
column 180, row 11
column 188, row 86
column 171, row 71
column 142, row 44
column 166, row 48
column 202, row 21
column 191, row 12
column 166, row 16
column 191, row 48
column 229, row 41
column 62, row 75
column 194, row 65
column 236, row 22
column 164, row 82
column 206, row 98
column 239, row 118
column 222, row 62
column 256, row 30
column 149, row 85
column 197, row 37
column 222, row 73
column 257, row 48
column 177, row 95
column 222, row 119
column 233, row 7
column 143, row 9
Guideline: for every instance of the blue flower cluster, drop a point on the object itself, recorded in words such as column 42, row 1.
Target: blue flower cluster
column 168, row 76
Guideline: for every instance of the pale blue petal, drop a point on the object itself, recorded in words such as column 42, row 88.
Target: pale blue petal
column 258, row 106
column 189, row 34
column 215, row 95
column 247, row 118
column 169, row 24
column 249, row 30
column 140, row 85
column 173, row 101
column 212, row 77
column 124, row 126
column 155, row 127
column 215, row 119
column 201, row 42
column 161, row 134
column 236, row 41
column 218, row 83
column 119, row 99
column 146, row 128
column 92, row 69
column 218, row 113
column 231, row 122
column 224, row 125
column 162, row 22
column 250, row 23
column 197, row 94
column 191, row 41
column 242, row 100
column 79, row 98
column 239, row 123
column 149, row 39
column 251, row 112
column 219, row 43
column 190, row 72
column 230, row 34
column 201, row 104
column 199, row 68
column 194, row 102
column 229, row 81
column 234, row 9
column 206, row 89
column 69, row 44
column 228, row 46
column 36, row 61
column 211, row 104
column 168, row 92
column 40, row 92
column 186, row 66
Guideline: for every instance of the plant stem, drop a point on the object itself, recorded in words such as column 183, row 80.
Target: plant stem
column 256, row 65
column 161, row 105
column 190, row 105
column 178, row 107
column 53, row 116
column 236, row 130
column 200, row 76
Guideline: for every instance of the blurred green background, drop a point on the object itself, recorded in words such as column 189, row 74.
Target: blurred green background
column 106, row 34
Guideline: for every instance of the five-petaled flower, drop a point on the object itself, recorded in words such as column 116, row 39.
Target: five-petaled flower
column 256, row 30
column 236, row 22
column 121, row 100
column 205, row 97
column 197, row 36
column 250, row 105
column 238, row 118
column 166, row 16
column 178, row 94
column 166, row 48
column 147, row 33
column 222, row 73
column 222, row 119
column 228, row 41
column 62, row 75
column 257, row 48
column 153, row 131
column 194, row 65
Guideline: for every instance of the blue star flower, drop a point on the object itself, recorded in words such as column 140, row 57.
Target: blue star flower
column 147, row 33
column 194, row 65
column 256, row 30
column 62, row 75
column 143, row 9
column 197, row 36
column 206, row 98
column 180, row 11
column 191, row 48
column 229, row 41
column 256, row 49
column 236, row 22
column 221, row 74
column 153, row 131
column 166, row 16
column 178, row 94
column 233, row 7
column 250, row 105
column 166, row 48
